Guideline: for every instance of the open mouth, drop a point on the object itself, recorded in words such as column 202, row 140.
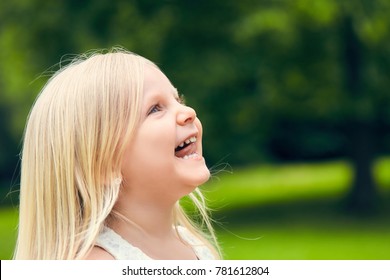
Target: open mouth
column 186, row 149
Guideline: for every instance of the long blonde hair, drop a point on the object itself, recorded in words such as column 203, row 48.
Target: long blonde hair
column 72, row 152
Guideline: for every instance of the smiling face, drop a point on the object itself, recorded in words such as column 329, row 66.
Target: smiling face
column 164, row 159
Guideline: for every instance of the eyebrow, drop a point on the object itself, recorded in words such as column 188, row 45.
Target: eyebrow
column 175, row 92
column 178, row 96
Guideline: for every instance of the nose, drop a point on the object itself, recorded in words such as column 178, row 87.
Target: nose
column 185, row 115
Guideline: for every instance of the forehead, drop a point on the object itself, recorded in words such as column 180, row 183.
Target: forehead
column 156, row 82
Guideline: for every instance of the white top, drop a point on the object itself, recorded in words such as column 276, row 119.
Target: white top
column 121, row 249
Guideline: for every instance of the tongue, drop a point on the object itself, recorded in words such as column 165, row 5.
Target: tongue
column 185, row 151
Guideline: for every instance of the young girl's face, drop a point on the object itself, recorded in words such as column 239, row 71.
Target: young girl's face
column 165, row 156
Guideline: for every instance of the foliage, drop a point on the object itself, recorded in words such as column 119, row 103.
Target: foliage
column 271, row 80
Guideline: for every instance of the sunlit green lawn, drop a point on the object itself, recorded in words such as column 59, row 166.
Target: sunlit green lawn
column 296, row 212
column 304, row 230
column 8, row 222
column 267, row 184
column 303, row 241
column 283, row 212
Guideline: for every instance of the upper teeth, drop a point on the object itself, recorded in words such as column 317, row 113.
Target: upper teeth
column 188, row 141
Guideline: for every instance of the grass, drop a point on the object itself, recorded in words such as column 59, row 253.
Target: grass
column 8, row 223
column 304, row 242
column 296, row 212
column 267, row 184
column 283, row 212
column 314, row 229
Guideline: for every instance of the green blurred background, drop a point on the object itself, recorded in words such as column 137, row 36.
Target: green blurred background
column 293, row 95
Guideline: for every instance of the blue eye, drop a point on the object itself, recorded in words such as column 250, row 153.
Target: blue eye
column 154, row 109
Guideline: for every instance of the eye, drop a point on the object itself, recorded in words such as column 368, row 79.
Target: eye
column 155, row 108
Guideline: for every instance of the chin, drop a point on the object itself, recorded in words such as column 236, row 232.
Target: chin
column 206, row 176
column 199, row 178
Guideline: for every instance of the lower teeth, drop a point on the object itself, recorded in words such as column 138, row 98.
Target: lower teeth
column 190, row 156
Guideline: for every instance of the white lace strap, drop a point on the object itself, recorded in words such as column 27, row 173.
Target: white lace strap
column 119, row 248
column 200, row 249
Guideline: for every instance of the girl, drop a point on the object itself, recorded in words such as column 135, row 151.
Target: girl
column 109, row 149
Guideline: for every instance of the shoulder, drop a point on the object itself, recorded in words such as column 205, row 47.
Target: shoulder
column 198, row 243
column 188, row 236
column 116, row 247
column 98, row 253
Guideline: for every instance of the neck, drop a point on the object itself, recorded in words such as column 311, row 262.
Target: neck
column 143, row 217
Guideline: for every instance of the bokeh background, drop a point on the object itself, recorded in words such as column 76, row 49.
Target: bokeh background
column 293, row 95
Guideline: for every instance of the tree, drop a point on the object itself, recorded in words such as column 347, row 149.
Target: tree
column 271, row 80
column 328, row 59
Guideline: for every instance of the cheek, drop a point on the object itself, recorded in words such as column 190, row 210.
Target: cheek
column 156, row 144
column 199, row 126
column 148, row 152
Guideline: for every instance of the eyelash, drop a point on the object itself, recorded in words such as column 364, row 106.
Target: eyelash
column 152, row 110
column 156, row 108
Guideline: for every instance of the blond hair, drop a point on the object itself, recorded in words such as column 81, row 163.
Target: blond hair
column 72, row 153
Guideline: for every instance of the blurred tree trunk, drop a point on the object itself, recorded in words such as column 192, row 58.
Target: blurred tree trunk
column 360, row 130
column 363, row 194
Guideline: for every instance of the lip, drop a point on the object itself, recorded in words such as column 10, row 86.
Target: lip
column 195, row 134
column 190, row 149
